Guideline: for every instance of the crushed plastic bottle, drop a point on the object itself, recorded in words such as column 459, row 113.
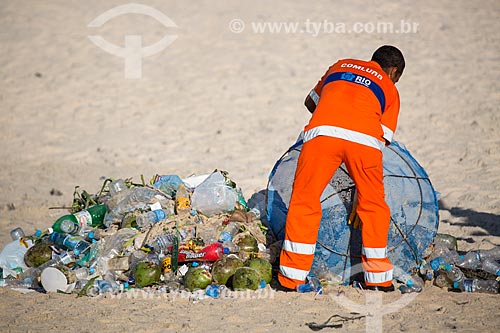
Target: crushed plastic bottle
column 313, row 284
column 478, row 286
column 149, row 218
column 229, row 231
column 413, row 284
column 446, row 240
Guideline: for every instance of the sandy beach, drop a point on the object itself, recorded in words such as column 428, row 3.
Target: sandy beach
column 228, row 94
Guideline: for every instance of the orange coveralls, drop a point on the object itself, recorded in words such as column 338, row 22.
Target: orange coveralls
column 357, row 107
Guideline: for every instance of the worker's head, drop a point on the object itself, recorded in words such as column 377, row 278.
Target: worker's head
column 391, row 60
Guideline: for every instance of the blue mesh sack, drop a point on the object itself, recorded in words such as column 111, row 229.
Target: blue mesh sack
column 409, row 194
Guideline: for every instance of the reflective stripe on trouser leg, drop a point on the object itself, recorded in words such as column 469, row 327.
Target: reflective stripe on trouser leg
column 317, row 163
column 365, row 168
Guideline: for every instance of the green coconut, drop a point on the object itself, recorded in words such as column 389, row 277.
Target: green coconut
column 263, row 267
column 248, row 243
column 246, row 278
column 224, row 268
column 146, row 274
column 38, row 254
column 197, row 278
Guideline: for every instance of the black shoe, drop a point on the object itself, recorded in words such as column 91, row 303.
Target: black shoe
column 362, row 285
column 278, row 287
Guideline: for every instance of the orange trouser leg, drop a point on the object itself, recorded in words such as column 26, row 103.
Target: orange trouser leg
column 318, row 160
column 365, row 168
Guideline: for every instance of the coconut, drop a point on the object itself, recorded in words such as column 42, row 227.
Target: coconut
column 246, row 278
column 263, row 267
column 38, row 254
column 248, row 243
column 224, row 268
column 197, row 278
column 146, row 274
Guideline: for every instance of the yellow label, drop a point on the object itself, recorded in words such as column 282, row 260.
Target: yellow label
column 183, row 203
column 166, row 264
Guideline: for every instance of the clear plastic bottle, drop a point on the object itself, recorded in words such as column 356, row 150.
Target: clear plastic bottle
column 455, row 275
column 149, row 218
column 313, row 284
column 163, row 242
column 442, row 280
column 75, row 243
column 412, row 284
column 446, row 240
column 17, row 233
column 479, row 286
column 131, row 200
column 230, row 230
column 471, row 260
column 84, row 273
column 491, row 267
column 450, row 256
column 492, row 254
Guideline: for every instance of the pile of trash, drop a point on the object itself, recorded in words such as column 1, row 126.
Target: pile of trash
column 172, row 234
column 474, row 271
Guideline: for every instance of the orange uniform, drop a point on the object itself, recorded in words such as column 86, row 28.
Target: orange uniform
column 356, row 113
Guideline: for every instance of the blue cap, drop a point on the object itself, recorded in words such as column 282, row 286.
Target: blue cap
column 76, row 252
column 447, row 267
column 409, row 283
column 262, row 284
column 434, row 264
column 195, row 264
column 38, row 233
column 455, row 284
column 91, row 235
column 226, row 250
column 91, row 270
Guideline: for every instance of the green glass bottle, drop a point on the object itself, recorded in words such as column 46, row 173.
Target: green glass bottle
column 71, row 223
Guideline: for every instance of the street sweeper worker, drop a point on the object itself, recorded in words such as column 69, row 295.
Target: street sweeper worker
column 354, row 110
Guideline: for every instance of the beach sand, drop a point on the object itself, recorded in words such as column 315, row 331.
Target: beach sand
column 234, row 101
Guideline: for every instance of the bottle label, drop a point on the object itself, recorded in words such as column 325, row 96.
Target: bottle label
column 166, row 264
column 226, row 236
column 468, row 286
column 84, row 218
column 160, row 214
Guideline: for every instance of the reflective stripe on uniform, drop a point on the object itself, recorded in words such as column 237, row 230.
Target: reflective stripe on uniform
column 314, row 96
column 342, row 133
column 378, row 277
column 300, row 248
column 375, row 252
column 388, row 134
column 293, row 273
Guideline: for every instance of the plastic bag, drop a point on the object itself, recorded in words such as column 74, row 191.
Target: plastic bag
column 213, row 196
column 12, row 255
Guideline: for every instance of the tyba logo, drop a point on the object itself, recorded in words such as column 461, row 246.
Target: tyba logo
column 133, row 52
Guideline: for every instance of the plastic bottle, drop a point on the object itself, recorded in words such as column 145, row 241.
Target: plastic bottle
column 148, row 218
column 230, row 230
column 75, row 243
column 212, row 252
column 471, row 260
column 442, row 280
column 446, row 240
column 451, row 256
column 493, row 254
column 478, row 286
column 17, row 233
column 163, row 242
column 12, row 255
column 182, row 201
column 455, row 275
column 413, row 284
column 130, row 200
column 64, row 259
column 84, row 273
column 312, row 285
column 72, row 223
column 491, row 267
